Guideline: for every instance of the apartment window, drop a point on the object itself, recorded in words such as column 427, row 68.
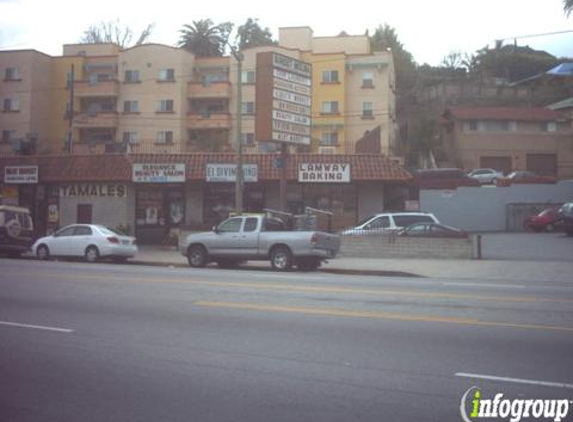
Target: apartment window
column 132, row 76
column 130, row 137
column 248, row 139
column 131, row 106
column 549, row 127
column 329, row 138
column 472, row 126
column 248, row 107
column 330, row 76
column 8, row 135
column 248, row 77
column 12, row 74
column 167, row 75
column 367, row 110
column 164, row 137
column 165, row 106
column 11, row 104
column 329, row 107
column 367, row 80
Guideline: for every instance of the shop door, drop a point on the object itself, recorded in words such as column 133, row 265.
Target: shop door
column 542, row 164
column 84, row 214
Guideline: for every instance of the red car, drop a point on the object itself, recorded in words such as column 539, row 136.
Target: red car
column 544, row 221
column 523, row 177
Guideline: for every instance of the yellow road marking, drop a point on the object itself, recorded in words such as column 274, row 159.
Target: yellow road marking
column 374, row 315
column 313, row 289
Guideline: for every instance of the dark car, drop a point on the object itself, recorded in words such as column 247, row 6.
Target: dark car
column 566, row 217
column 432, row 230
column 16, row 230
column 526, row 177
column 544, row 221
column 444, row 178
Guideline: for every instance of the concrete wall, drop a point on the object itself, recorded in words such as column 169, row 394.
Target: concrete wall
column 485, row 208
column 404, row 247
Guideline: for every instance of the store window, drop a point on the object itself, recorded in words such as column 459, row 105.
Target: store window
column 158, row 209
column 340, row 199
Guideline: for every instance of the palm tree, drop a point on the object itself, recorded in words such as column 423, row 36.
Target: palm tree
column 204, row 39
column 568, row 6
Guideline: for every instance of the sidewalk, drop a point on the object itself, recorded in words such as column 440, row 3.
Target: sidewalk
column 532, row 271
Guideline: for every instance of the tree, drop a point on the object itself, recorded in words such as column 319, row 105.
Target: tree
column 568, row 7
column 114, row 32
column 204, row 39
column 385, row 38
column 252, row 35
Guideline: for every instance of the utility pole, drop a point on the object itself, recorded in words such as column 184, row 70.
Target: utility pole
column 239, row 148
column 71, row 112
column 283, row 177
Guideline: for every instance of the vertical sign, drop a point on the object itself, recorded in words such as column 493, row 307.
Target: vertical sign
column 284, row 98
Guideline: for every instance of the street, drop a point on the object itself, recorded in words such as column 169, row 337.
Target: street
column 102, row 342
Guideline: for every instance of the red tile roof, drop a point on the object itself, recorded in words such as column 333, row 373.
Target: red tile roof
column 533, row 114
column 118, row 167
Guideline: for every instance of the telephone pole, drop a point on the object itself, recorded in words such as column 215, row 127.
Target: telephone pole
column 239, row 147
column 71, row 112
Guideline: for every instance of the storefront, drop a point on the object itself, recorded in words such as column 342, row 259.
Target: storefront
column 159, row 201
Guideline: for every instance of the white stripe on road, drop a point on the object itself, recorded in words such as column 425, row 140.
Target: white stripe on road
column 515, row 380
column 37, row 327
column 505, row 286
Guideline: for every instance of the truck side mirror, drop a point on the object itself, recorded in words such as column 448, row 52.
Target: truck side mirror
column 215, row 229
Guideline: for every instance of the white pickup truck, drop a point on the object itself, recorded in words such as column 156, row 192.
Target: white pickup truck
column 259, row 238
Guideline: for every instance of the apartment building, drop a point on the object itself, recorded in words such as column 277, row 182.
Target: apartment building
column 509, row 138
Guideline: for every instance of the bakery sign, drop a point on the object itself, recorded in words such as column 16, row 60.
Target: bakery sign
column 21, row 174
column 158, row 173
column 324, row 172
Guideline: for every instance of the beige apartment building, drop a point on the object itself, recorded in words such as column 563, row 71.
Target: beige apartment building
column 159, row 99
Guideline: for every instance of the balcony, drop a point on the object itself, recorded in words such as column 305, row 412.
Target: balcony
column 209, row 121
column 221, row 90
column 96, row 89
column 101, row 119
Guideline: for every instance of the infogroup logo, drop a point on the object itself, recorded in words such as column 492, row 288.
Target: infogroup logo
column 513, row 409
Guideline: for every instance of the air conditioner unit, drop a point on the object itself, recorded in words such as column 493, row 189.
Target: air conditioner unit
column 327, row 150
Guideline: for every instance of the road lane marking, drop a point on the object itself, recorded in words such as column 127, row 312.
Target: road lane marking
column 487, row 285
column 37, row 327
column 375, row 315
column 514, row 380
column 319, row 289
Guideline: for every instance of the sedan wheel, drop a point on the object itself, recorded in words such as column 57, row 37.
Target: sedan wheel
column 43, row 253
column 549, row 227
column 92, row 254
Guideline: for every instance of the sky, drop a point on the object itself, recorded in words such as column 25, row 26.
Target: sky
column 428, row 30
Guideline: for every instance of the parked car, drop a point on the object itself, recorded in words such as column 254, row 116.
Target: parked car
column 91, row 241
column 432, row 230
column 16, row 230
column 445, row 178
column 566, row 217
column 259, row 238
column 546, row 220
column 486, row 176
column 525, row 177
column 390, row 222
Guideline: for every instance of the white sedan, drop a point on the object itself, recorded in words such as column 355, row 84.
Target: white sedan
column 90, row 241
column 485, row 176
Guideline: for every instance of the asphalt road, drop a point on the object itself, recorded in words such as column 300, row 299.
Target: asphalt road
column 101, row 342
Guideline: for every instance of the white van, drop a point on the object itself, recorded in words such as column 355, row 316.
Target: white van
column 390, row 222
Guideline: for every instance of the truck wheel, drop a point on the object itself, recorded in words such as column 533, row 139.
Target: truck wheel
column 197, row 256
column 281, row 258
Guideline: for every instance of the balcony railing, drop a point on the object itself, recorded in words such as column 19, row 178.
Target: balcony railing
column 221, row 90
column 96, row 89
column 209, row 121
column 102, row 119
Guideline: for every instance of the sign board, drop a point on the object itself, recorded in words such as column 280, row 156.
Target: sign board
column 228, row 173
column 324, row 172
column 158, row 173
column 284, row 99
column 21, row 174
column 411, row 205
column 100, row 190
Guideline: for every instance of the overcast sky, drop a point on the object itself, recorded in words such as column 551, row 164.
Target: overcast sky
column 428, row 29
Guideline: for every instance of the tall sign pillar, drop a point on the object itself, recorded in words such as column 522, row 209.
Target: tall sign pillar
column 284, row 99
